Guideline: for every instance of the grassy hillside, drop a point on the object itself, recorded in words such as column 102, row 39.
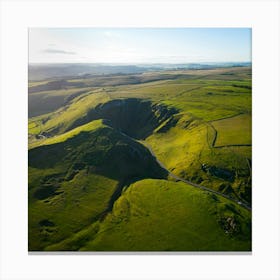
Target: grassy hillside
column 89, row 127
column 74, row 179
column 203, row 97
column 157, row 215
column 44, row 102
column 90, row 137
column 187, row 150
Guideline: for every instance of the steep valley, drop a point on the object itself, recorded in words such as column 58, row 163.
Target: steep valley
column 96, row 181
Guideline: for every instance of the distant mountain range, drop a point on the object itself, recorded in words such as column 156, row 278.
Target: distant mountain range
column 47, row 71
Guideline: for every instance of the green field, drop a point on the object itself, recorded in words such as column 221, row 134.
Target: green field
column 140, row 222
column 112, row 160
column 234, row 131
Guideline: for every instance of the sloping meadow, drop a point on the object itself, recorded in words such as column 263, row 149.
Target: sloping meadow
column 102, row 164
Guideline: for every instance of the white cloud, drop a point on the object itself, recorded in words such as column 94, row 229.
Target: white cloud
column 56, row 51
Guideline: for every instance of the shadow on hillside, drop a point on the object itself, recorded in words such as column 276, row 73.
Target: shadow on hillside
column 134, row 117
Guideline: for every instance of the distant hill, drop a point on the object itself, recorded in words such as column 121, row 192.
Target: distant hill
column 46, row 71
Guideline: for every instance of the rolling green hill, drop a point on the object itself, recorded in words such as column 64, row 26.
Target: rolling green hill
column 157, row 215
column 75, row 178
column 94, row 141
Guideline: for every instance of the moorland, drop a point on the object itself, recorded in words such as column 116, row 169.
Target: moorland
column 140, row 160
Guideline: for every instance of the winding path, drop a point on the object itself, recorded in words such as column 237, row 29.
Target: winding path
column 241, row 203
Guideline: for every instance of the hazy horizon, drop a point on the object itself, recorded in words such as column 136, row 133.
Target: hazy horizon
column 126, row 46
column 144, row 63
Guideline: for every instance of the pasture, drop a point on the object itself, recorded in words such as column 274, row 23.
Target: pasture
column 97, row 145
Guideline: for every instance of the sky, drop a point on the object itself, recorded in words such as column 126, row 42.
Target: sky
column 139, row 45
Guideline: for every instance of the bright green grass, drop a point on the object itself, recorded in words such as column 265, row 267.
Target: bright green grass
column 235, row 160
column 208, row 100
column 184, row 148
column 34, row 127
column 65, row 117
column 43, row 102
column 157, row 215
column 187, row 95
column 91, row 126
column 175, row 216
column 179, row 147
column 77, row 240
column 71, row 180
column 81, row 201
column 234, row 131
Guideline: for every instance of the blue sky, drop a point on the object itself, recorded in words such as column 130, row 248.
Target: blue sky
column 139, row 45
